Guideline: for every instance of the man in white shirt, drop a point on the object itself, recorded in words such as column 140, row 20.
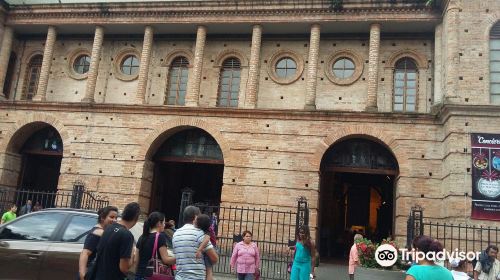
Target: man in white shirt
column 488, row 267
column 186, row 241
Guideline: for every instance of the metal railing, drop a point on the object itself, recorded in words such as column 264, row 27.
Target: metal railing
column 462, row 237
column 79, row 198
column 273, row 232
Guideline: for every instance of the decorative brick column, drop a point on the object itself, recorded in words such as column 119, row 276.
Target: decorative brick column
column 8, row 36
column 144, row 66
column 94, row 65
column 195, row 79
column 312, row 68
column 373, row 55
column 438, row 62
column 451, row 58
column 46, row 63
column 254, row 67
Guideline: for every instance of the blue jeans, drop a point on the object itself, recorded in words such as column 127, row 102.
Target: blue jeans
column 245, row 276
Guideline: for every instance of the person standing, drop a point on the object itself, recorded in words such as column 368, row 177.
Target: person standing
column 488, row 267
column 9, row 215
column 152, row 233
column 115, row 250
column 169, row 232
column 245, row 259
column 37, row 207
column 27, row 208
column 105, row 217
column 353, row 256
column 426, row 269
column 186, row 241
column 305, row 254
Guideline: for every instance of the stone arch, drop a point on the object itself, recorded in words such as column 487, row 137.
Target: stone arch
column 176, row 53
column 222, row 56
column 419, row 58
column 23, row 128
column 26, row 59
column 363, row 132
column 160, row 133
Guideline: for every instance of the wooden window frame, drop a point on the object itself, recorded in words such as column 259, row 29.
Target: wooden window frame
column 405, row 87
column 181, row 64
column 27, row 95
column 494, row 36
column 232, row 69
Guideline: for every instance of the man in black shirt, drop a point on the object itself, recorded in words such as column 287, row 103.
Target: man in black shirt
column 114, row 253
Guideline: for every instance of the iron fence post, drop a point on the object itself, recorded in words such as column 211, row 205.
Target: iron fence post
column 186, row 200
column 77, row 195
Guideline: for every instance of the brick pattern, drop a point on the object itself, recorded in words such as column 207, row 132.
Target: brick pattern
column 373, row 58
column 254, row 67
column 312, row 68
column 8, row 36
column 142, row 83
column 46, row 63
column 94, row 65
column 193, row 91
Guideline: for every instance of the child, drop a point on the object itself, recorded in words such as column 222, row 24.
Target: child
column 203, row 223
column 353, row 256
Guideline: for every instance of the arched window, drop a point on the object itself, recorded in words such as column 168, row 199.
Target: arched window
column 177, row 81
column 32, row 77
column 495, row 63
column 405, row 85
column 229, row 86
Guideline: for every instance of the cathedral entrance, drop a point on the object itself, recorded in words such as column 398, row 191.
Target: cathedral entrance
column 189, row 159
column 41, row 161
column 356, row 195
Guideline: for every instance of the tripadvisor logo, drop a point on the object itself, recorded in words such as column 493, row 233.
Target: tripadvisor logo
column 386, row 255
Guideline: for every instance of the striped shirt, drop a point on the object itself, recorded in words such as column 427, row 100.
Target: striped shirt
column 186, row 241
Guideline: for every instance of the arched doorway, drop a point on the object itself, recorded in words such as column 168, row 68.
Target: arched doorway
column 41, row 157
column 192, row 159
column 356, row 194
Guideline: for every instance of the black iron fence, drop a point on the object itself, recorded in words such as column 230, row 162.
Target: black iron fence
column 274, row 231
column 461, row 237
column 77, row 198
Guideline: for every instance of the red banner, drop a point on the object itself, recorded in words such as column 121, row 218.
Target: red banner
column 485, row 176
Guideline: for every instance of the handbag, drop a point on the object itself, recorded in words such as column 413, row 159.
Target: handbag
column 160, row 271
column 92, row 269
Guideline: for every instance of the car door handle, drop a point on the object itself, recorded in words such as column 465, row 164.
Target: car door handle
column 33, row 255
column 4, row 244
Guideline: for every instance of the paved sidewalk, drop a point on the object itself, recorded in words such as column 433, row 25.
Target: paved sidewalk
column 326, row 271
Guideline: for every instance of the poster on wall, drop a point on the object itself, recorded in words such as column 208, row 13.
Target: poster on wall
column 485, row 176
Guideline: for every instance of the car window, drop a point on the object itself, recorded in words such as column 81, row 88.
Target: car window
column 78, row 228
column 38, row 227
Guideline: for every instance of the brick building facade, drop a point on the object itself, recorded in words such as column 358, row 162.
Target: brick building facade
column 277, row 84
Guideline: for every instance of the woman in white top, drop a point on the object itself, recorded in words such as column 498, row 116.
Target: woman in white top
column 459, row 269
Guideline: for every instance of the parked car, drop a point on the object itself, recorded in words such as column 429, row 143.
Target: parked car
column 45, row 244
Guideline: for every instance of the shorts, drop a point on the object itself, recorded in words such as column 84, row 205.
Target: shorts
column 207, row 261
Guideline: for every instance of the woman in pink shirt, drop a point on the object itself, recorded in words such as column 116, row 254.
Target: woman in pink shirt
column 246, row 258
column 353, row 256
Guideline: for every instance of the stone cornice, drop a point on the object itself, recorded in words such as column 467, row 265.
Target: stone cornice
column 215, row 12
column 445, row 112
column 275, row 114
